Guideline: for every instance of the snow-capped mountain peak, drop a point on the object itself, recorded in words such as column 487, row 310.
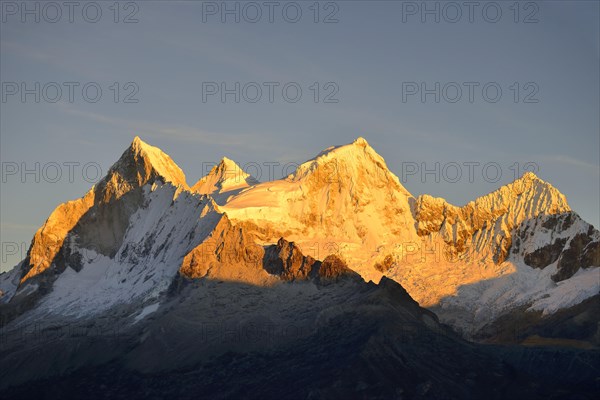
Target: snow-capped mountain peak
column 229, row 163
column 224, row 177
column 158, row 160
column 353, row 162
column 493, row 215
column 141, row 163
column 345, row 199
column 360, row 141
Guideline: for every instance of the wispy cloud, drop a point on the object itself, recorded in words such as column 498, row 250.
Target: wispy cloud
column 43, row 56
column 587, row 166
column 173, row 132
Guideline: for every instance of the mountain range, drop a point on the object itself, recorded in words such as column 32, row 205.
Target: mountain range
column 334, row 281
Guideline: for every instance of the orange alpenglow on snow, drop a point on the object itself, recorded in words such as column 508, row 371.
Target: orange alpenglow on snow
column 345, row 201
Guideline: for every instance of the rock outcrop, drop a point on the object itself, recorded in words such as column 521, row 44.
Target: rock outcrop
column 287, row 261
column 228, row 253
column 564, row 239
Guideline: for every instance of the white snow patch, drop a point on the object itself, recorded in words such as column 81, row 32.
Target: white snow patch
column 146, row 311
column 584, row 284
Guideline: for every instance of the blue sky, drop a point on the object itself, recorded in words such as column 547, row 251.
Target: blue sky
column 376, row 49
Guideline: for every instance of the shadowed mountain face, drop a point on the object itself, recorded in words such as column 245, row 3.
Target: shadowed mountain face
column 552, row 284
column 235, row 288
column 302, row 340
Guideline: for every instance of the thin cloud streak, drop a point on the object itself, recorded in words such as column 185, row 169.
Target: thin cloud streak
column 587, row 166
column 181, row 132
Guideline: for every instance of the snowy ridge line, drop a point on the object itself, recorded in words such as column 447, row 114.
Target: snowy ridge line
column 142, row 226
